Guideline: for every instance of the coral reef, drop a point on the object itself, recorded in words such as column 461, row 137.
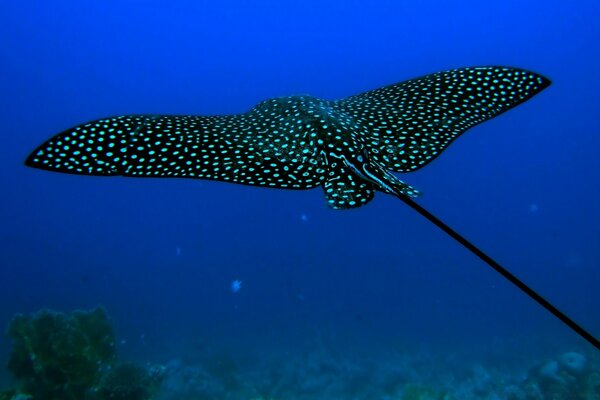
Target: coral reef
column 73, row 357
column 414, row 392
column 7, row 394
column 60, row 356
column 128, row 381
column 568, row 376
column 325, row 375
column 189, row 382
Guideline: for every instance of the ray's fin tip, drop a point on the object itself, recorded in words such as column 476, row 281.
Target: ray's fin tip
column 29, row 160
column 545, row 82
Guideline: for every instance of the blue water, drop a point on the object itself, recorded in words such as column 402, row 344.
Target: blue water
column 160, row 254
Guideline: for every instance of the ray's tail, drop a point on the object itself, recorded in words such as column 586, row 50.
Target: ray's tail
column 504, row 272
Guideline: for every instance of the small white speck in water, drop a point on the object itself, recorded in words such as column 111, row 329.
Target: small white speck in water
column 236, row 286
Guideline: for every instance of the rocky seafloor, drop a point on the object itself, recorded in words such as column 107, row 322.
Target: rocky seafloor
column 328, row 375
column 77, row 356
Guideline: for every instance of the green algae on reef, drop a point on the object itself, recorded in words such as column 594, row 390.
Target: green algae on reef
column 72, row 356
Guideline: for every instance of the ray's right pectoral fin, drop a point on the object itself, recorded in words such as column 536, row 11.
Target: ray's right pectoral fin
column 343, row 190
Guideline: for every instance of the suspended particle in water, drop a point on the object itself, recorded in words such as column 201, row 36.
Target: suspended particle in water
column 236, row 285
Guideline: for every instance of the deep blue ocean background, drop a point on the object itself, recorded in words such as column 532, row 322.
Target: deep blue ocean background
column 160, row 254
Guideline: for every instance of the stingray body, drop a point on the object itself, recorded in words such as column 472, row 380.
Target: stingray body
column 346, row 146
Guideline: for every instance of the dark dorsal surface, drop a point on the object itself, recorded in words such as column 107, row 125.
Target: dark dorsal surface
column 412, row 122
column 274, row 144
column 300, row 142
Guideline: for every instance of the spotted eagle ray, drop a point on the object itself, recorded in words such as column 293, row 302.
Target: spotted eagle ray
column 346, row 146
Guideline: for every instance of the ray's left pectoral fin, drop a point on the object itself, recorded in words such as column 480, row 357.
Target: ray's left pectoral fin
column 343, row 190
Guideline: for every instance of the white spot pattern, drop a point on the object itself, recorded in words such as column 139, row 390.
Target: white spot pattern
column 412, row 122
column 299, row 142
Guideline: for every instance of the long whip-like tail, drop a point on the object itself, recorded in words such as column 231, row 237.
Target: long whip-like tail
column 504, row 272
